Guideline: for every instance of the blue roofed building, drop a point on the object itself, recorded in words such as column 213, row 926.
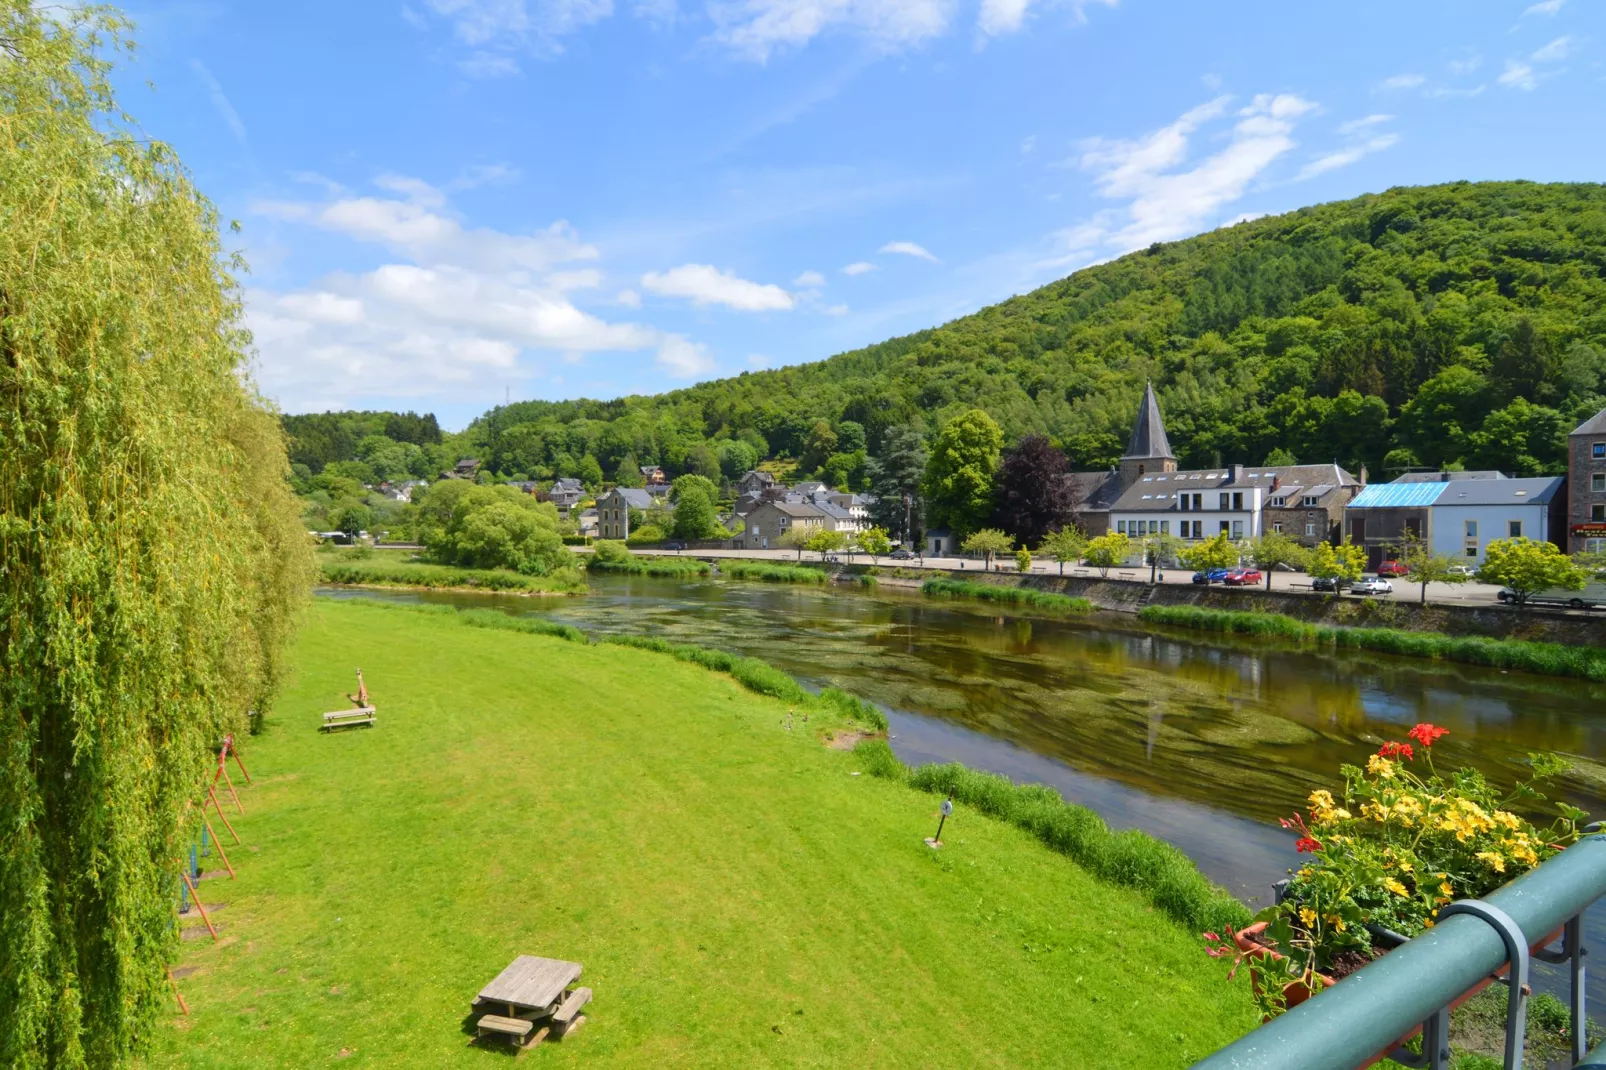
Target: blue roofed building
column 1455, row 513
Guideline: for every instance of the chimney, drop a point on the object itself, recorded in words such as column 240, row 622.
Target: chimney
column 1363, row 475
column 1236, row 472
column 1276, row 481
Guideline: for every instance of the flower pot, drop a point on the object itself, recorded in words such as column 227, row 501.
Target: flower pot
column 1296, row 992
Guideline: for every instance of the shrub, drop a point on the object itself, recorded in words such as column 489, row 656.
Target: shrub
column 757, row 570
column 1046, row 601
column 611, row 556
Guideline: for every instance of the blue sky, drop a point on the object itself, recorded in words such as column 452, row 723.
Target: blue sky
column 449, row 202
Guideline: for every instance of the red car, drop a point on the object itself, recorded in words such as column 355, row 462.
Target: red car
column 1243, row 577
column 1392, row 569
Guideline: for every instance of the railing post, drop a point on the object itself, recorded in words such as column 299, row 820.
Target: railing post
column 1517, row 955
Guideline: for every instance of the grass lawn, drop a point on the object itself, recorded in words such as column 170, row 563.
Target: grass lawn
column 737, row 897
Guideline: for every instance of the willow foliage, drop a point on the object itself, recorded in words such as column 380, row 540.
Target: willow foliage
column 150, row 563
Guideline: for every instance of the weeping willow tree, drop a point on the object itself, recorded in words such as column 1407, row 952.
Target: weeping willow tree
column 150, row 558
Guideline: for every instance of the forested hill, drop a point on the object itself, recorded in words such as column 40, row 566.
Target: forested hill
column 1462, row 323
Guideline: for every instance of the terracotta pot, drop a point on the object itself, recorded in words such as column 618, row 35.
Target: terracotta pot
column 1296, row 992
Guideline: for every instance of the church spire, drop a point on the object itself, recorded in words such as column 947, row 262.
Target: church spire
column 1148, row 434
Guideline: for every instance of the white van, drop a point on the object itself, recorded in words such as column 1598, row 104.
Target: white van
column 1593, row 596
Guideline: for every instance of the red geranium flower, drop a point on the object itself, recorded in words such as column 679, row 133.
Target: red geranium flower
column 1427, row 734
column 1306, row 845
column 1396, row 750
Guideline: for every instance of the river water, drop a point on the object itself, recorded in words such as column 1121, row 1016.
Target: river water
column 1201, row 741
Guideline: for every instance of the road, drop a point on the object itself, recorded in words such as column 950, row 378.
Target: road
column 1470, row 593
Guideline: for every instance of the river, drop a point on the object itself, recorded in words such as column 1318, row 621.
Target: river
column 1201, row 741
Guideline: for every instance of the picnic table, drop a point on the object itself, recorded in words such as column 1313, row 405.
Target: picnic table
column 531, row 990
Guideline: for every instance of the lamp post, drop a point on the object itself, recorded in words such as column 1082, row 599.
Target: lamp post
column 935, row 842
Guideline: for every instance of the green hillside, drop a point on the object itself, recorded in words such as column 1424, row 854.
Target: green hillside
column 1458, row 323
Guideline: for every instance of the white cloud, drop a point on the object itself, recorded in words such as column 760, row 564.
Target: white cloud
column 1346, row 156
column 1028, row 143
column 809, row 280
column 1007, row 16
column 460, row 306
column 485, row 65
column 1355, row 125
column 835, row 310
column 1555, row 51
column 496, row 29
column 627, row 298
column 1518, row 76
column 1547, row 7
column 220, row 101
column 859, row 267
column 683, row 359
column 908, row 248
column 1466, row 65
column 1402, row 81
column 1165, row 203
column 704, row 284
column 755, row 29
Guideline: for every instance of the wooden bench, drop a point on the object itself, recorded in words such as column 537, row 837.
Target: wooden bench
column 348, row 718
column 567, row 1018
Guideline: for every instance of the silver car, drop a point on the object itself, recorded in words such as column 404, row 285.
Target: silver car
column 1372, row 585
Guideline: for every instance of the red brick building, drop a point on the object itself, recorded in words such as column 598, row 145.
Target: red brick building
column 1586, row 485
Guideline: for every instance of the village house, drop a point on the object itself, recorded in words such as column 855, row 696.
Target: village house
column 1306, row 502
column 1455, row 513
column 754, row 483
column 768, row 521
column 613, row 511
column 652, row 474
column 403, row 490
column 565, row 493
column 1586, row 486
column 590, row 522
column 467, row 468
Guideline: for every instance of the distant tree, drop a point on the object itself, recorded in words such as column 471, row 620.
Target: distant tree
column 589, row 472
column 694, row 515
column 987, row 542
column 360, row 471
column 1343, row 563
column 958, row 482
column 1280, row 458
column 1273, row 549
column 701, row 461
column 1526, row 567
column 1424, row 566
column 824, row 541
column 353, row 518
column 875, row 542
column 1158, row 548
column 1218, row 551
column 796, row 538
column 1034, row 497
column 1107, row 551
column 820, row 444
column 894, row 477
column 850, row 437
column 1023, row 560
column 628, row 473
column 1064, row 545
column 736, row 458
column 687, row 482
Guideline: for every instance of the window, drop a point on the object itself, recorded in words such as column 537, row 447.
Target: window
column 1238, row 500
column 1182, row 502
column 1598, row 449
column 1237, row 529
column 1278, row 527
column 1225, row 526
column 1515, row 528
column 1198, row 502
column 1308, row 500
column 1165, row 527
column 1198, row 529
column 1226, row 501
column 1472, row 529
column 1120, row 527
column 1597, row 482
column 1597, row 513
column 1594, row 546
column 1472, row 549
column 1310, row 529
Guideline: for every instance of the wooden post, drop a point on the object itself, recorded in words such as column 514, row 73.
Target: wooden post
column 213, row 793
column 194, row 895
column 236, row 752
column 218, row 844
column 225, row 771
column 177, row 994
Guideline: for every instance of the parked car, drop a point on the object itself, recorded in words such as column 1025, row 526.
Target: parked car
column 674, row 544
column 1372, row 585
column 1593, row 596
column 1243, row 577
column 1464, row 570
column 1324, row 583
column 1394, row 569
column 902, row 555
column 1215, row 575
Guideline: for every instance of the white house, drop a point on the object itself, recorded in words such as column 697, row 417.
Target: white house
column 1469, row 514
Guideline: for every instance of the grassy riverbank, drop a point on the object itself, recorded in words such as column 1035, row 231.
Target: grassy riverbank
column 615, row 557
column 1042, row 601
column 736, row 896
column 388, row 570
column 759, row 570
column 1548, row 659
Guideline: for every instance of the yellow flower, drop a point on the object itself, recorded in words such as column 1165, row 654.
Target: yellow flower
column 1446, row 889
column 1380, row 767
column 1395, row 886
column 1508, row 819
column 1335, row 921
column 1321, row 800
column 1308, row 916
column 1496, row 863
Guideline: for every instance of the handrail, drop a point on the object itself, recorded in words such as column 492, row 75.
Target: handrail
column 1372, row 1008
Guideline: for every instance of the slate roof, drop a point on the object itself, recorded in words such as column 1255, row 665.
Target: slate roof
column 1533, row 490
column 1448, row 477
column 634, row 497
column 1094, row 491
column 1398, row 495
column 1159, row 491
column 1148, row 434
column 1595, row 425
column 798, row 509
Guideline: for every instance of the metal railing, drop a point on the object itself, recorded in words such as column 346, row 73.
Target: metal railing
column 1414, row 985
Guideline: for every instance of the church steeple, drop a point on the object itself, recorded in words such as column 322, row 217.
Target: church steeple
column 1149, row 451
column 1148, row 434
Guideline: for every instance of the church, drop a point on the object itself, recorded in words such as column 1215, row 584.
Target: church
column 1146, row 494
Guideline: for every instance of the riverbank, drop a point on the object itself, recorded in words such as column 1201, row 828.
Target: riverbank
column 387, row 570
column 721, row 875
